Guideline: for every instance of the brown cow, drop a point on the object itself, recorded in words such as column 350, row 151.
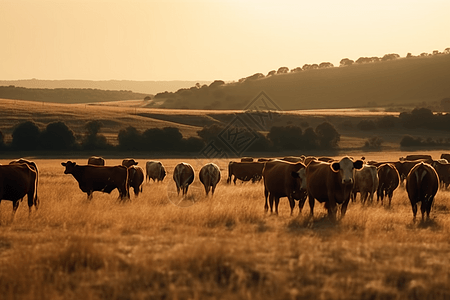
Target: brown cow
column 105, row 179
column 128, row 162
column 183, row 175
column 155, row 170
column 284, row 179
column 294, row 159
column 416, row 157
column 331, row 183
column 34, row 167
column 17, row 181
column 389, row 180
column 445, row 156
column 403, row 167
column 422, row 184
column 443, row 171
column 246, row 159
column 245, row 171
column 366, row 183
column 209, row 176
column 135, row 179
column 96, row 161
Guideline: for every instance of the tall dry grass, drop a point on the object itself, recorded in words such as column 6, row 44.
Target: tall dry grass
column 218, row 247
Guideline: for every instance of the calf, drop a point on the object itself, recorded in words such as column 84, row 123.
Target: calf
column 422, row 184
column 366, row 183
column 135, row 179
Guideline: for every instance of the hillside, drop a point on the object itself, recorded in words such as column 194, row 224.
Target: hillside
column 389, row 84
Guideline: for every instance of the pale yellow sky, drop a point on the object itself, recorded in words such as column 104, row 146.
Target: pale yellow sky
column 206, row 39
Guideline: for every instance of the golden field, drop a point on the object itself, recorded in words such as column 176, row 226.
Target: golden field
column 221, row 247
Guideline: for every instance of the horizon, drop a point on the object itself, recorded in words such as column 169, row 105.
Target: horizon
column 180, row 40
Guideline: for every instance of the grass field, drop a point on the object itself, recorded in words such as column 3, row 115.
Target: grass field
column 221, row 247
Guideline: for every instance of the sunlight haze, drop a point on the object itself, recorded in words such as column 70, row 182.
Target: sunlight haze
column 206, row 40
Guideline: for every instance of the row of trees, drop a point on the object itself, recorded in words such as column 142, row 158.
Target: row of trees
column 57, row 136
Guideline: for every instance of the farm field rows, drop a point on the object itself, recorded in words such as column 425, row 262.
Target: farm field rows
column 218, row 247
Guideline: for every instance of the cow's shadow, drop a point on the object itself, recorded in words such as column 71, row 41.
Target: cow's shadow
column 320, row 223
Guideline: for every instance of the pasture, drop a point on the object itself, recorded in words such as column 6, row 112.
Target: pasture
column 159, row 246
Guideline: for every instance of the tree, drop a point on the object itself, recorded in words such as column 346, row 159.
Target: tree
column 285, row 137
column 283, row 70
column 295, row 70
column 130, row 139
column 271, row 73
column 25, row 136
column 326, row 65
column 328, row 136
column 346, row 62
column 92, row 139
column 57, row 137
column 391, row 56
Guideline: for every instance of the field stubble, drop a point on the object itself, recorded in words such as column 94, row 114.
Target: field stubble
column 220, row 247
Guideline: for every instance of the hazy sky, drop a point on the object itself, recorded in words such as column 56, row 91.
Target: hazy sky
column 207, row 39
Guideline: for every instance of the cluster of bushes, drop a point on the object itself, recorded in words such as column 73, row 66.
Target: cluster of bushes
column 418, row 142
column 58, row 137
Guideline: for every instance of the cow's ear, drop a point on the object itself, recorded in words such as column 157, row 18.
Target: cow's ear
column 295, row 174
column 63, row 164
column 358, row 164
column 335, row 166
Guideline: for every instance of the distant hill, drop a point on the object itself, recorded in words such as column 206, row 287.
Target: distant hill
column 145, row 87
column 413, row 81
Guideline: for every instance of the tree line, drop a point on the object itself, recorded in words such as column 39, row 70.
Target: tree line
column 58, row 137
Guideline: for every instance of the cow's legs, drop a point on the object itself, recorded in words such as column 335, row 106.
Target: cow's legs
column 311, row 205
column 266, row 206
column 344, row 208
column 277, row 201
column 271, row 202
column 292, row 204
column 414, row 209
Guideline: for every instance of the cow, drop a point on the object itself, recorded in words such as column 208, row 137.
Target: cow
column 246, row 159
column 155, row 171
column 294, row 159
column 416, row 157
column 388, row 181
column 135, row 179
column 245, row 171
column 105, row 179
column 331, row 183
column 183, row 175
column 263, row 159
column 445, row 156
column 128, row 162
column 422, row 184
column 443, row 171
column 366, row 183
column 34, row 167
column 284, row 179
column 96, row 160
column 309, row 159
column 209, row 176
column 17, row 181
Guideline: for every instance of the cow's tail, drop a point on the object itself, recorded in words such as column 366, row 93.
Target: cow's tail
column 35, row 194
column 230, row 172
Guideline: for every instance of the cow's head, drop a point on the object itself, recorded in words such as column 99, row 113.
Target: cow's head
column 69, row 167
column 301, row 187
column 129, row 162
column 346, row 168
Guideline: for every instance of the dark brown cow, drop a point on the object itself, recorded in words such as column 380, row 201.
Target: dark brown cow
column 294, row 159
column 155, row 170
column 331, row 183
column 34, row 167
column 416, row 157
column 128, row 162
column 309, row 159
column 17, row 181
column 246, row 159
column 245, row 171
column 388, row 181
column 135, row 179
column 443, row 171
column 105, row 179
column 96, row 161
column 262, row 159
column 284, row 179
column 366, row 183
column 445, row 156
column 183, row 175
column 422, row 184
column 209, row 176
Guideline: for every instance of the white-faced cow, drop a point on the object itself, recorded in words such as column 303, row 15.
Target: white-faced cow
column 422, row 184
column 389, row 179
column 183, row 175
column 105, row 179
column 209, row 176
column 155, row 170
column 17, row 181
column 331, row 183
column 135, row 179
column 284, row 179
column 366, row 183
column 128, row 162
column 245, row 171
column 96, row 161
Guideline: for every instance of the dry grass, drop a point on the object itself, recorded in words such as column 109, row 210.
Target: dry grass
column 213, row 248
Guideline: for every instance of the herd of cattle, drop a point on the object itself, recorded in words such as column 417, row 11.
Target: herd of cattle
column 329, row 181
